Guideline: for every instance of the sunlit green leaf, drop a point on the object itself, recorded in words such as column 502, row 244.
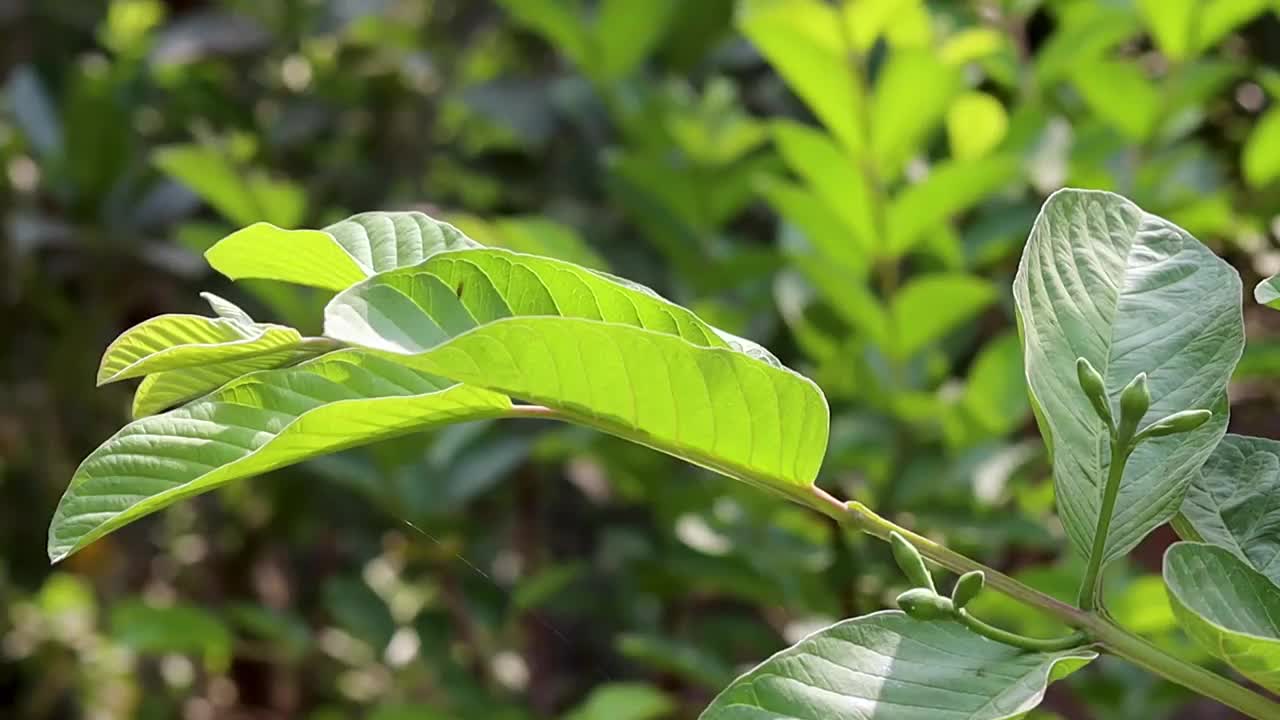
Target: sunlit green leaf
column 338, row 256
column 910, row 98
column 833, row 175
column 930, row 306
column 242, row 194
column 169, row 342
column 888, row 665
column 623, row 701
column 609, row 354
column 1130, row 292
column 1185, row 28
column 1261, row 158
column 1232, row 610
column 802, row 40
column 258, row 423
column 976, row 123
column 950, row 188
column 1121, row 95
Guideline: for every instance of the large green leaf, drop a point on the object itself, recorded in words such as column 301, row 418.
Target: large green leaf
column 886, row 665
column 1234, row 502
column 258, row 423
column 339, row 255
column 1232, row 610
column 606, row 353
column 1103, row 280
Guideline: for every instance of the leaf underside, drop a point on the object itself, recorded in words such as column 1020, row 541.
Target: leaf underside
column 258, row 423
column 887, row 665
column 1234, row 502
column 1232, row 610
column 611, row 355
column 1103, row 280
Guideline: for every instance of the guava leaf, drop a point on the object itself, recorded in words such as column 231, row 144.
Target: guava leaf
column 339, row 255
column 887, row 665
column 257, row 423
column 1234, row 502
column 1131, row 292
column 1232, row 610
column 609, row 354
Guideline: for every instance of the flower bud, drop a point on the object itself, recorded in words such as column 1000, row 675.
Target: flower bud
column 924, row 604
column 1094, row 389
column 1134, row 400
column 908, row 558
column 967, row 587
column 1179, row 422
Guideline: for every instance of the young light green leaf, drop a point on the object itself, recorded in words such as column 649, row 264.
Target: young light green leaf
column 833, row 176
column 625, row 33
column 1185, row 28
column 1232, row 610
column 911, row 95
column 1121, row 95
column 930, row 306
column 242, row 195
column 169, row 342
column 950, row 188
column 260, row 422
column 888, row 665
column 803, row 42
column 1234, row 502
column 608, row 354
column 976, row 123
column 338, row 256
column 1129, row 292
column 1260, row 158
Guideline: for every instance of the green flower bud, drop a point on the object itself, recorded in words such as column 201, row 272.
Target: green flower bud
column 1179, row 422
column 924, row 604
column 908, row 558
column 1134, row 400
column 967, row 587
column 1094, row 389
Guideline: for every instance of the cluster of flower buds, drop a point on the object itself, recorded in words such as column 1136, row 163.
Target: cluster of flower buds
column 923, row 601
column 1135, row 400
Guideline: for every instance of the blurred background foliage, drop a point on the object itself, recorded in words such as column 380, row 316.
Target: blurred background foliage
column 848, row 182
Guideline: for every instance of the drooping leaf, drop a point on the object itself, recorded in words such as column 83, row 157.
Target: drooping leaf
column 888, row 665
column 1232, row 610
column 338, row 256
column 608, row 354
column 1130, row 292
column 260, row 422
column 1234, row 502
